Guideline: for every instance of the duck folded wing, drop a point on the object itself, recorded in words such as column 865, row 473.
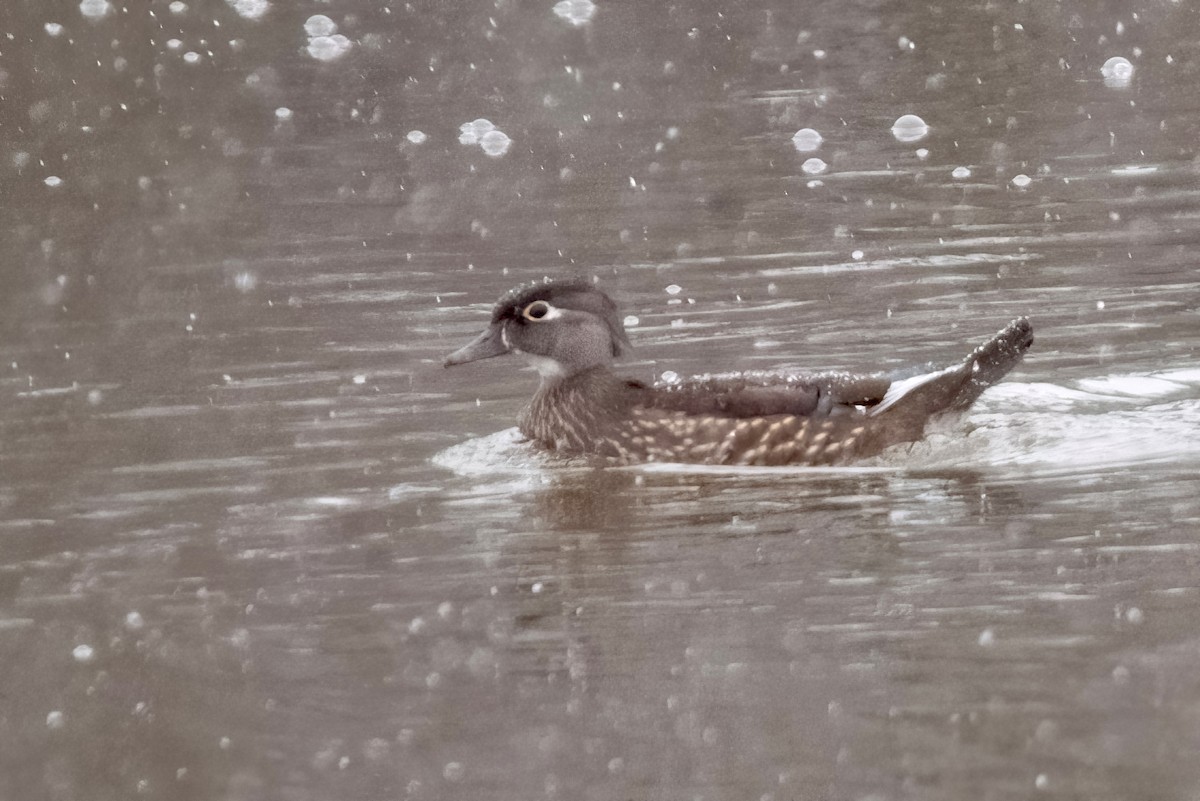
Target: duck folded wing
column 747, row 395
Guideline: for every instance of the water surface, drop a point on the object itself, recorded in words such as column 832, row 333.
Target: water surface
column 256, row 543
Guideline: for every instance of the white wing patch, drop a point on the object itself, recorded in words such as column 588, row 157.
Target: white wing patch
column 899, row 389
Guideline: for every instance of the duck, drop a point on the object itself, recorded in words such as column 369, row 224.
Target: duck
column 571, row 333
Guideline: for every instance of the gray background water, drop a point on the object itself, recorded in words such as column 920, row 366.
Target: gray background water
column 254, row 542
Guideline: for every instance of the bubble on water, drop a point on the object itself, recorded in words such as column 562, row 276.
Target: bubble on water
column 856, row 255
column 960, row 173
column 83, row 653
column 987, row 638
column 283, row 113
column 910, row 128
column 1117, row 72
column 55, row 720
column 806, row 140
column 1021, row 181
column 495, row 143
column 576, row 12
column 250, row 9
column 320, row 25
column 471, row 132
column 669, row 377
column 454, row 771
column 95, row 9
column 174, row 44
column 1042, row 781
column 328, row 48
column 922, row 153
column 53, row 181
column 416, row 137
column 191, row 57
column 178, row 7
column 134, row 621
column 813, row 166
column 53, row 28
column 630, row 321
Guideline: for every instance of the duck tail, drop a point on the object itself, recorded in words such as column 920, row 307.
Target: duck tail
column 992, row 360
column 956, row 387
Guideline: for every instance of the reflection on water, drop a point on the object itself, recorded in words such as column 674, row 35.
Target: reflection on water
column 256, row 543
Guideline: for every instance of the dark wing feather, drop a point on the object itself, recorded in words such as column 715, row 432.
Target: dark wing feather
column 746, row 395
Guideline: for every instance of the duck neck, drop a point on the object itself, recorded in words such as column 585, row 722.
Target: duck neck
column 568, row 412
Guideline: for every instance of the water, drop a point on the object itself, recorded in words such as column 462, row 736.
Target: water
column 256, row 543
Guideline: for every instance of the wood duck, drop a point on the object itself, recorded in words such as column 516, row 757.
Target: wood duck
column 570, row 332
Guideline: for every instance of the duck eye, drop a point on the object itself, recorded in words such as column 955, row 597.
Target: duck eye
column 536, row 310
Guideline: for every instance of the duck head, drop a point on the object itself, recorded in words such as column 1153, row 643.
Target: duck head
column 560, row 327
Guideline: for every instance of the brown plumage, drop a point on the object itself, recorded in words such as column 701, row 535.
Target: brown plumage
column 570, row 332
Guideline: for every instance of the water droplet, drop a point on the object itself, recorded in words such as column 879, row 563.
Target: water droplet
column 320, row 25
column 813, row 166
column 328, row 48
column 471, row 132
column 250, row 9
column 1117, row 72
column 576, row 12
column 910, row 128
column 95, row 9
column 806, row 140
column 495, row 143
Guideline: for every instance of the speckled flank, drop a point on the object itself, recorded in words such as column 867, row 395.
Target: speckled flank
column 653, row 435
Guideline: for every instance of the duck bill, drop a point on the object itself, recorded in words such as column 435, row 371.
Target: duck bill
column 488, row 344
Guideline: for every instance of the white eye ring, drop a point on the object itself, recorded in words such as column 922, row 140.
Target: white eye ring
column 539, row 311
